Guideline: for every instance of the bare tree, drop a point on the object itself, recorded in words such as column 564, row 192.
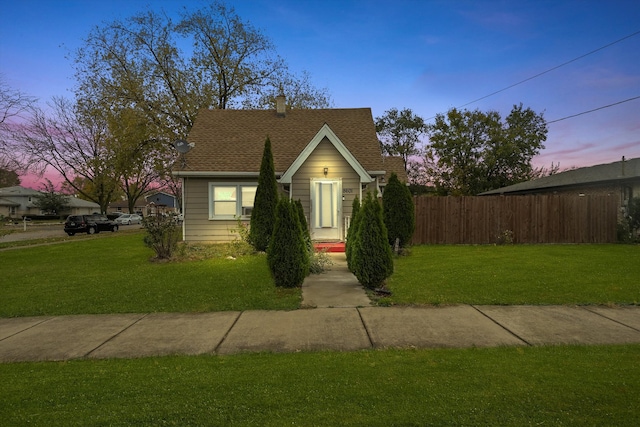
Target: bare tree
column 74, row 145
column 13, row 107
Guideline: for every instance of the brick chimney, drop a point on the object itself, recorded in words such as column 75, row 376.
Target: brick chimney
column 281, row 105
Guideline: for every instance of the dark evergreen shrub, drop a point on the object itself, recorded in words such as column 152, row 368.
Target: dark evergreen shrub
column 306, row 234
column 399, row 211
column 352, row 232
column 319, row 262
column 264, row 206
column 371, row 258
column 303, row 220
column 287, row 254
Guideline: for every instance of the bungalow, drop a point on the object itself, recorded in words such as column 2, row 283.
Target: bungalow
column 618, row 179
column 17, row 201
column 323, row 157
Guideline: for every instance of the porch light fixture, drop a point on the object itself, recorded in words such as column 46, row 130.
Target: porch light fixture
column 326, row 171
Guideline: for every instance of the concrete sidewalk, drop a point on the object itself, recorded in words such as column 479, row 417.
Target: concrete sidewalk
column 336, row 316
column 339, row 329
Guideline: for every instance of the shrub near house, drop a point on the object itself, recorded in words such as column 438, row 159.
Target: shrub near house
column 399, row 212
column 287, row 254
column 371, row 257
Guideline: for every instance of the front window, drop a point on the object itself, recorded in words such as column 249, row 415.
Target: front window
column 228, row 201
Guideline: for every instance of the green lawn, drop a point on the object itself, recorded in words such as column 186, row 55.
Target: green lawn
column 555, row 385
column 517, row 274
column 497, row 386
column 113, row 274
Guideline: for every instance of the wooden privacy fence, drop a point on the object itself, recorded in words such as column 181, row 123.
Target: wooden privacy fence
column 529, row 219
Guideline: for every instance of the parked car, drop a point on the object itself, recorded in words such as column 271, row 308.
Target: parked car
column 113, row 215
column 129, row 219
column 89, row 224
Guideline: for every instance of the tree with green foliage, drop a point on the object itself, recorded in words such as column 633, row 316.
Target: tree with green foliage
column 471, row 151
column 353, row 231
column 398, row 211
column 263, row 216
column 372, row 259
column 287, row 255
column 50, row 201
column 400, row 132
column 170, row 69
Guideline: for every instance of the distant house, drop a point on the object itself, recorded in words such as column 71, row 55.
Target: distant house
column 17, row 201
column 324, row 158
column 123, row 206
column 161, row 202
column 81, row 207
column 156, row 202
column 618, row 179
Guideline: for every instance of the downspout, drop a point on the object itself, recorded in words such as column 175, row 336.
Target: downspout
column 184, row 196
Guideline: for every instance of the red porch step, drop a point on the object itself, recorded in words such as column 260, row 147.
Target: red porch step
column 329, row 246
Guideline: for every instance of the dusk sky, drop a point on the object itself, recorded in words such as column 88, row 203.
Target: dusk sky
column 429, row 56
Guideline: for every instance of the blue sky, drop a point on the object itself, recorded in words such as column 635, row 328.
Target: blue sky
column 426, row 55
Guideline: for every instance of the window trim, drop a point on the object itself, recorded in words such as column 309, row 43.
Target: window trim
column 239, row 201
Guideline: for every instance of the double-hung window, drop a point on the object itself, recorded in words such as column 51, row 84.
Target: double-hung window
column 228, row 201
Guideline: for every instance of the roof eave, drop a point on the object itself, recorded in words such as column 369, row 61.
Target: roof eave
column 218, row 174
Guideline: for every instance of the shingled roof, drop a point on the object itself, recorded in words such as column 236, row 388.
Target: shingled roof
column 599, row 174
column 233, row 140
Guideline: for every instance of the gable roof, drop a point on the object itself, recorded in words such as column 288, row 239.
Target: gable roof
column 18, row 190
column 598, row 174
column 232, row 141
column 75, row 202
column 7, row 202
column 325, row 132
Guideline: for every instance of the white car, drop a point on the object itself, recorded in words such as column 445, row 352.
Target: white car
column 128, row 219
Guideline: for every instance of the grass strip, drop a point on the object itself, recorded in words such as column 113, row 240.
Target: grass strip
column 115, row 275
column 560, row 385
column 517, row 274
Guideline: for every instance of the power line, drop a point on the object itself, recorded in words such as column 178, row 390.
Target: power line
column 591, row 111
column 551, row 69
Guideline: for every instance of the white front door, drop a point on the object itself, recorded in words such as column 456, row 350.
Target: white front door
column 326, row 206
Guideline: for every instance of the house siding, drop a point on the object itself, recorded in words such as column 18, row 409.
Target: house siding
column 326, row 155
column 197, row 226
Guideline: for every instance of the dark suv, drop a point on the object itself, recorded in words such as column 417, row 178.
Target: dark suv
column 89, row 224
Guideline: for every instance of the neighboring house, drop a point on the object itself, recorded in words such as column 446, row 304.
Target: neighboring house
column 161, row 202
column 8, row 208
column 324, row 158
column 81, row 207
column 123, row 206
column 158, row 202
column 619, row 179
column 17, row 201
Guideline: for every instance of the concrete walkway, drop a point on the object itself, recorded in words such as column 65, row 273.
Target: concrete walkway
column 336, row 287
column 343, row 321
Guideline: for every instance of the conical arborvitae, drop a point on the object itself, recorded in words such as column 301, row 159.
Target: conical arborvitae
column 264, row 206
column 352, row 232
column 371, row 258
column 287, row 254
column 303, row 221
column 398, row 211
